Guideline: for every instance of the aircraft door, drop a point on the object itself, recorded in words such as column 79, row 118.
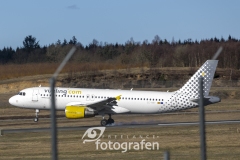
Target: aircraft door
column 35, row 95
column 90, row 97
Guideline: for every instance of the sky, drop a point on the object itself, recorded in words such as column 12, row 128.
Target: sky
column 115, row 21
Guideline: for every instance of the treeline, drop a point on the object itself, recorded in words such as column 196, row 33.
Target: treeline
column 158, row 53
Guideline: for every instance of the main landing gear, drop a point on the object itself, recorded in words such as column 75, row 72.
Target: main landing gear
column 105, row 122
column 36, row 112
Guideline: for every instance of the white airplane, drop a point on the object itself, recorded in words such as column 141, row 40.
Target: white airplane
column 84, row 103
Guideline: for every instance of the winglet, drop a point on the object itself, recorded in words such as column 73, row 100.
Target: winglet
column 118, row 97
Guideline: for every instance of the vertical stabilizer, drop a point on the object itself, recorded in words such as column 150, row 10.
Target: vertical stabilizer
column 207, row 71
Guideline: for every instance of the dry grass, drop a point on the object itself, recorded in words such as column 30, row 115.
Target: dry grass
column 181, row 141
column 9, row 71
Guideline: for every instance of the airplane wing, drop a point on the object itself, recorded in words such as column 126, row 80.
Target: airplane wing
column 104, row 106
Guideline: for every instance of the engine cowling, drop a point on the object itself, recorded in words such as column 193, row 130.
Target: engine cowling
column 76, row 112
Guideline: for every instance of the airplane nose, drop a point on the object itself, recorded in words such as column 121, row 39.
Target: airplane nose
column 12, row 100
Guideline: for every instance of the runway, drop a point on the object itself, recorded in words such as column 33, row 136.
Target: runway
column 117, row 125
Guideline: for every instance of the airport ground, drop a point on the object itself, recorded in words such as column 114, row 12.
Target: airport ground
column 181, row 141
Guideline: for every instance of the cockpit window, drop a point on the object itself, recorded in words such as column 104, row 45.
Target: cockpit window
column 22, row 93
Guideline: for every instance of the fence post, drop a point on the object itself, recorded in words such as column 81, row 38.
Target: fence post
column 1, row 132
column 202, row 121
column 166, row 155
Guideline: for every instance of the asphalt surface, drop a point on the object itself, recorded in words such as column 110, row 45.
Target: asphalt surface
column 117, row 125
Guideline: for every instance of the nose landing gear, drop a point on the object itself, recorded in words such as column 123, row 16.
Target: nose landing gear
column 36, row 113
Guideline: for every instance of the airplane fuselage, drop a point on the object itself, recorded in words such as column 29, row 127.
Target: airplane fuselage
column 131, row 101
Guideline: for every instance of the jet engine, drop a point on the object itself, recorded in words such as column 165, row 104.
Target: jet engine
column 76, row 112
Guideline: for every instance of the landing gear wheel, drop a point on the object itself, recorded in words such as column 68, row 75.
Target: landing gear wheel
column 35, row 119
column 104, row 122
column 110, row 121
